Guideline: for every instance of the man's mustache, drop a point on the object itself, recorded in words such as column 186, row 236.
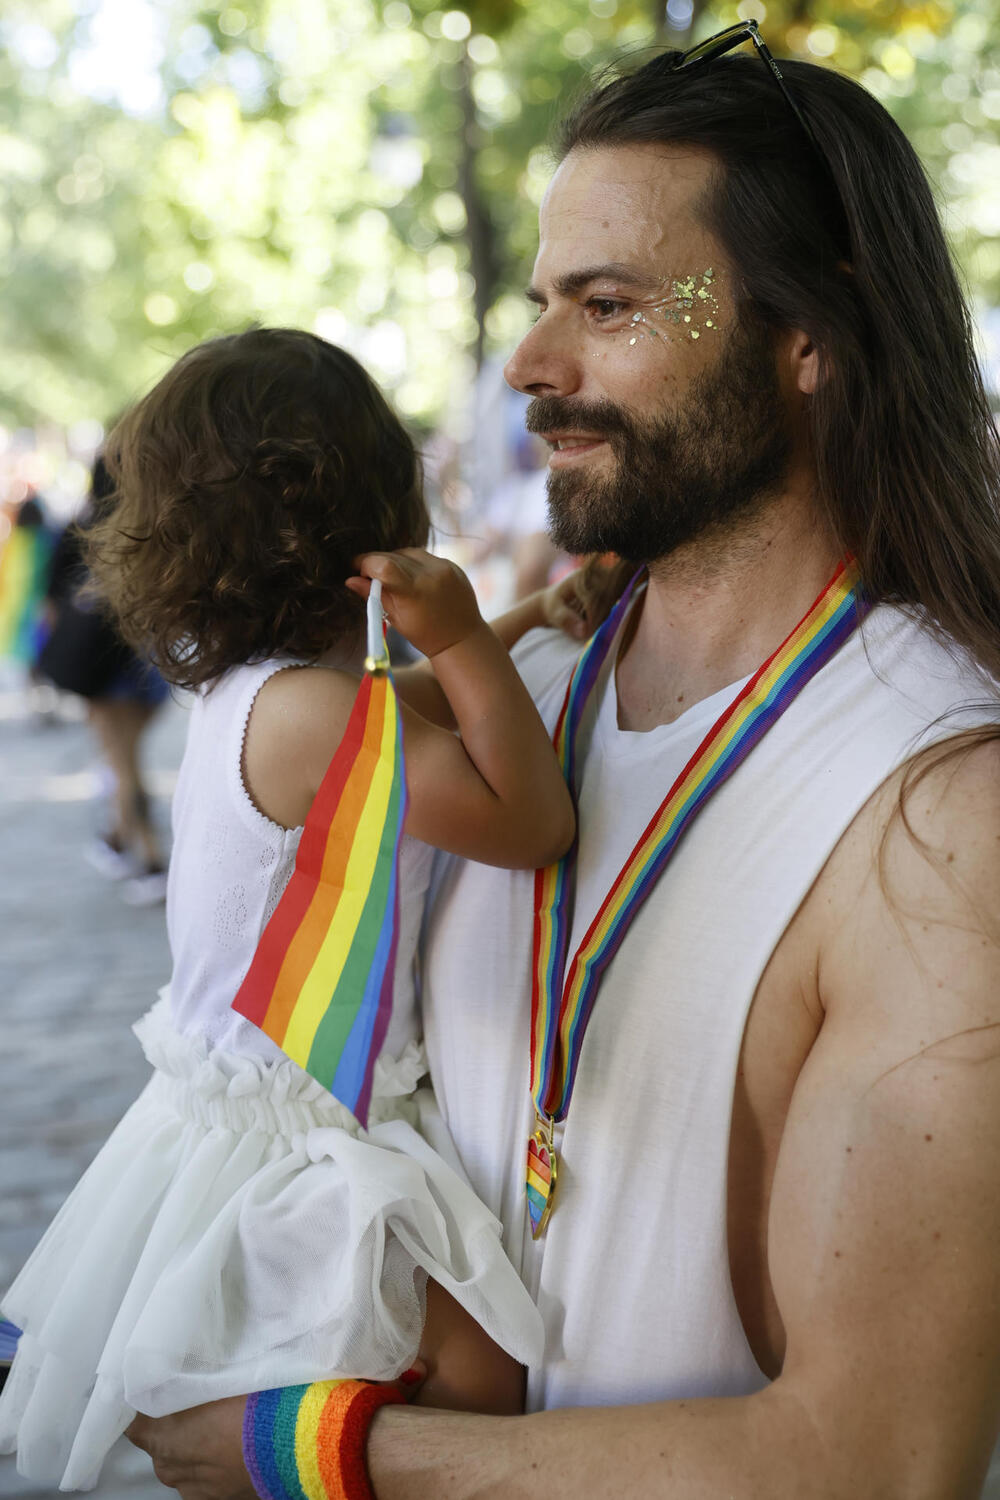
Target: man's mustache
column 557, row 414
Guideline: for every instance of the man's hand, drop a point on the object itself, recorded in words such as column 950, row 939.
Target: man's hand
column 198, row 1452
column 427, row 599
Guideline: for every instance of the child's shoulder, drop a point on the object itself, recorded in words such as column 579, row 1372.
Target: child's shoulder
column 296, row 723
column 306, row 689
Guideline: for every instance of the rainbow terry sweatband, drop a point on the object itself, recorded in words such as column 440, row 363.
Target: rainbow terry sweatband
column 307, row 1442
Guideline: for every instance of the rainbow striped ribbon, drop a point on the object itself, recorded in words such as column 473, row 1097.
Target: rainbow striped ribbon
column 320, row 983
column 561, row 1006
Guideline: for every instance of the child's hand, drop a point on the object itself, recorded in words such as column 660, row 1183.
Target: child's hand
column 564, row 606
column 427, row 599
column 578, row 603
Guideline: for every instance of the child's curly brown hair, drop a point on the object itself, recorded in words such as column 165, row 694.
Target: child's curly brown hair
column 244, row 485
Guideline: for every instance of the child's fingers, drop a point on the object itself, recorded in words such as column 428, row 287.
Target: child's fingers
column 390, row 568
column 412, row 1379
column 564, row 609
column 362, row 586
column 563, row 617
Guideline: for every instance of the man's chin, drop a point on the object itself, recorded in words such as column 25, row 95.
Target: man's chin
column 577, row 507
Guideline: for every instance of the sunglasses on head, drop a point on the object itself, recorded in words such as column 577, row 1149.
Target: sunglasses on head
column 749, row 31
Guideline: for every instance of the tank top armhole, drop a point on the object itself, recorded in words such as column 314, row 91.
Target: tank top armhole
column 244, row 803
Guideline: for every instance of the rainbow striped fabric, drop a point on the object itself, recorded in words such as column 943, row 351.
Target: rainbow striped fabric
column 24, row 569
column 561, row 1009
column 320, row 983
column 307, row 1442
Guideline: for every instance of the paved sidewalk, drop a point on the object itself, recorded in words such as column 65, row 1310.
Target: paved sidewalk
column 78, row 966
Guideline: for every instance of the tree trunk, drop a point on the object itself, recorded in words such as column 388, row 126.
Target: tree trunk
column 479, row 232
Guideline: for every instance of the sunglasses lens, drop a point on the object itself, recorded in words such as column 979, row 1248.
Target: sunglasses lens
column 715, row 46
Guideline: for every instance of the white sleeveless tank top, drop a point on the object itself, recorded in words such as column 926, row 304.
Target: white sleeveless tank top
column 632, row 1275
column 228, row 869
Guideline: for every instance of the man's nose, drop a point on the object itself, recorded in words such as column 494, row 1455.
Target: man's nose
column 544, row 362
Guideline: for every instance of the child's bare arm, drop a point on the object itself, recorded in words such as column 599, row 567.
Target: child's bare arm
column 555, row 608
column 496, row 795
column 466, row 1370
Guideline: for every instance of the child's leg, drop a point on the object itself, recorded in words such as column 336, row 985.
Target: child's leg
column 466, row 1371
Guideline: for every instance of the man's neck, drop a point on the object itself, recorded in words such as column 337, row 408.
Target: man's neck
column 714, row 611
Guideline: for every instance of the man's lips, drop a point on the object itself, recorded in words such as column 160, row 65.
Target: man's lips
column 569, row 447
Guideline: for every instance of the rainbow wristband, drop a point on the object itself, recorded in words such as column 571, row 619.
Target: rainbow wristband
column 307, row 1442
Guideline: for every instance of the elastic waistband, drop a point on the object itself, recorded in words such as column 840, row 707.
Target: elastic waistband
column 220, row 1089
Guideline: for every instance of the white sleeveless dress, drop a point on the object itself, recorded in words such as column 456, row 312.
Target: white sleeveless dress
column 240, row 1230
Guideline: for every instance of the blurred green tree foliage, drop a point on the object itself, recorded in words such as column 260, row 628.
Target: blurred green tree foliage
column 367, row 168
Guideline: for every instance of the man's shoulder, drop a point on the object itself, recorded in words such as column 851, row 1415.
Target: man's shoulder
column 907, row 904
column 919, row 664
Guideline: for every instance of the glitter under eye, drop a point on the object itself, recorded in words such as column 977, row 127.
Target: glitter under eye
column 689, row 295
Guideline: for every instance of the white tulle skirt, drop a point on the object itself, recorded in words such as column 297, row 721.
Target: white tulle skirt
column 240, row 1231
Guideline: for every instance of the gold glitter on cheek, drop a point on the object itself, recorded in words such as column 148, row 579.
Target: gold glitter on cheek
column 686, row 302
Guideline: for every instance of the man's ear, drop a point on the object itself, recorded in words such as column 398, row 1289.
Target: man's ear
column 803, row 361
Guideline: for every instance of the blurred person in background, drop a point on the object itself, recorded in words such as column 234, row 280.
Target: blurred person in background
column 84, row 654
column 505, row 516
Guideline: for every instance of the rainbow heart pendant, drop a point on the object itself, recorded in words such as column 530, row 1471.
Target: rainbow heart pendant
column 540, row 1180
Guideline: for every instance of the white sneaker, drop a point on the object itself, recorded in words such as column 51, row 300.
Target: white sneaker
column 146, row 890
column 112, row 863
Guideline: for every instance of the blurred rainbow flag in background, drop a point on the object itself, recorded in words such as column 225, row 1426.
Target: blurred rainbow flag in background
column 24, row 571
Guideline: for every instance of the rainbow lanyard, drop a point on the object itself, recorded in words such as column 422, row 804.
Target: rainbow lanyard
column 320, row 983
column 562, row 1000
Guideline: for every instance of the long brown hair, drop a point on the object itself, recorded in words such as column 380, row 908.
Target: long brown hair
column 906, row 452
column 244, row 485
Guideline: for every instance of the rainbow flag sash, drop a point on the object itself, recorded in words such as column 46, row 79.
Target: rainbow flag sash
column 320, row 983
column 563, row 996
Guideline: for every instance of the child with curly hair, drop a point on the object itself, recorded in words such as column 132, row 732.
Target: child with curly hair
column 240, row 1229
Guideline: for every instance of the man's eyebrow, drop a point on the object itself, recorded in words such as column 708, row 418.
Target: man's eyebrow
column 572, row 282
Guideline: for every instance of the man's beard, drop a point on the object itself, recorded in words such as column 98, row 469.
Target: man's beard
column 707, row 467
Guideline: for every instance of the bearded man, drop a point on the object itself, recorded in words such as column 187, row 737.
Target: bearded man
column 769, row 1265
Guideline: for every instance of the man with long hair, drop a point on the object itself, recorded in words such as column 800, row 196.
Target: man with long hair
column 764, row 1112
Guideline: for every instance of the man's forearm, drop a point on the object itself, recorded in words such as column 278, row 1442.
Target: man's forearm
column 751, row 1448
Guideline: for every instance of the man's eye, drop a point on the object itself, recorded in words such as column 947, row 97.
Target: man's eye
column 605, row 309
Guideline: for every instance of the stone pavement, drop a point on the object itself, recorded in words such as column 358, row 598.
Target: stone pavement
column 78, row 967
